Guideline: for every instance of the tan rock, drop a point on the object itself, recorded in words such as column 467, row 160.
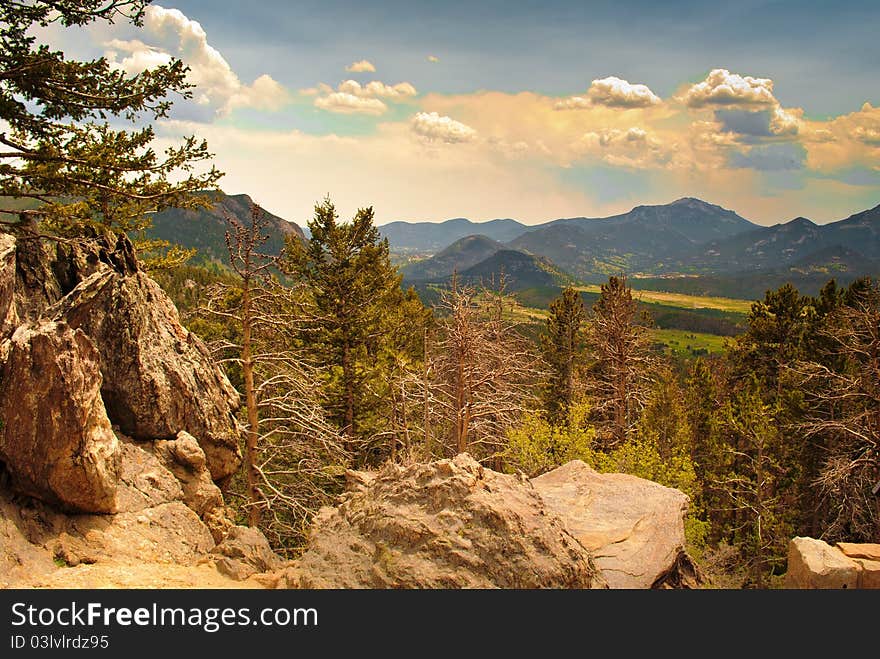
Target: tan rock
column 144, row 480
column 159, row 378
column 633, row 527
column 56, row 439
column 8, row 314
column 167, row 533
column 816, row 564
column 869, row 576
column 245, row 552
column 868, row 550
column 444, row 524
column 20, row 557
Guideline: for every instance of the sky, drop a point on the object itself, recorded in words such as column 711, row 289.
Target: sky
column 528, row 110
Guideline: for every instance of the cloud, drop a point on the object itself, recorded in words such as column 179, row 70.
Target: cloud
column 435, row 128
column 376, row 89
column 361, row 66
column 167, row 34
column 723, row 88
column 867, row 135
column 612, row 92
column 433, row 59
column 344, row 103
column 352, row 97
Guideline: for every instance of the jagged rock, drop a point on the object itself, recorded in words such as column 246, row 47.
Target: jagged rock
column 245, row 552
column 56, row 439
column 816, row 564
column 445, row 524
column 633, row 526
column 47, row 271
column 159, row 378
column 8, row 313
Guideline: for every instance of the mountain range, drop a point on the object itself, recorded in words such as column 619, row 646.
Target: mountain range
column 688, row 245
column 685, row 246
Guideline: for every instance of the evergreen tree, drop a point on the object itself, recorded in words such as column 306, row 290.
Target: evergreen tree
column 620, row 377
column 562, row 347
column 62, row 156
column 345, row 267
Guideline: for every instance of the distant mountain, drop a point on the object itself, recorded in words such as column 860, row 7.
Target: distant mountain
column 646, row 239
column 789, row 243
column 435, row 236
column 521, row 271
column 459, row 256
column 205, row 229
column 807, row 274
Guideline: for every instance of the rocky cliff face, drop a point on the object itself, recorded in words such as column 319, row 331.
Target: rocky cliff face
column 114, row 420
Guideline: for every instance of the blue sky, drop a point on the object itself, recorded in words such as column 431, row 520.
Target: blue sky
column 531, row 110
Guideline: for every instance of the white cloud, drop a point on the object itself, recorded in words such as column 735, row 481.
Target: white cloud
column 167, row 34
column 573, row 103
column 361, row 66
column 723, row 88
column 351, row 96
column 376, row 89
column 612, row 92
column 435, row 128
column 785, row 122
column 344, row 103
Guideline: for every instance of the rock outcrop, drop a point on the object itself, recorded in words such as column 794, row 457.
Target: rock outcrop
column 56, row 440
column 159, row 378
column 115, row 424
column 633, row 527
column 814, row 564
column 444, row 524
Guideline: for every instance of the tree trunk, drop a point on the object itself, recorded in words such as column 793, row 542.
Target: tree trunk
column 348, row 392
column 247, row 366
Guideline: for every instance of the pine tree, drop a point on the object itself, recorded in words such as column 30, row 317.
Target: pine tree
column 347, row 271
column 562, row 347
column 620, row 377
column 63, row 161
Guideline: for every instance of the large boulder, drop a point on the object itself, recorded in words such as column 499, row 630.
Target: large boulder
column 633, row 526
column 55, row 439
column 444, row 524
column 814, row 563
column 158, row 378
